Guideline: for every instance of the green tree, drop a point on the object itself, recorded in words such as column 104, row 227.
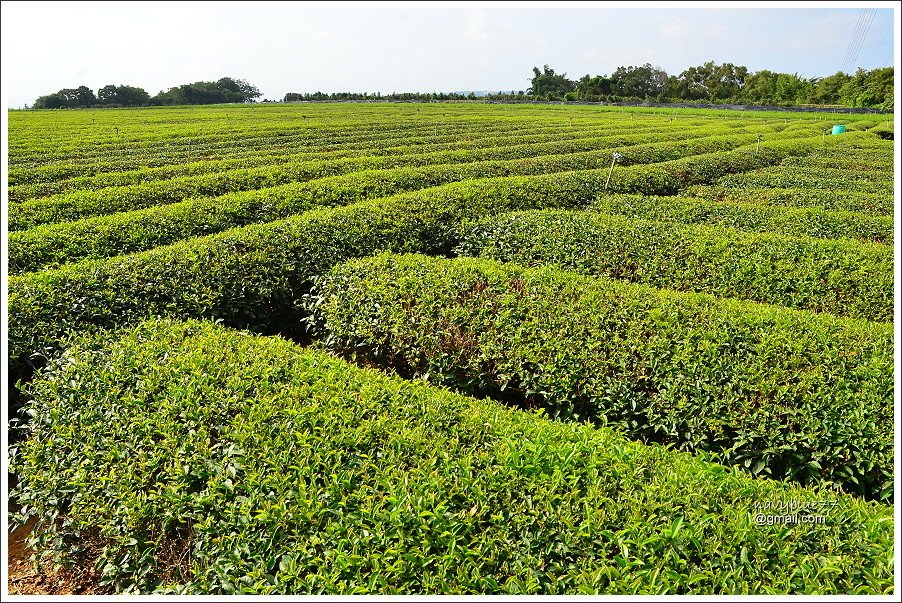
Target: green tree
column 791, row 89
column 644, row 82
column 593, row 88
column 71, row 98
column 760, row 88
column 224, row 90
column 549, row 85
column 711, row 82
column 827, row 90
column 122, row 96
column 50, row 101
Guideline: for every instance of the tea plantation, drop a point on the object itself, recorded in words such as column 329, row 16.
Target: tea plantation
column 422, row 348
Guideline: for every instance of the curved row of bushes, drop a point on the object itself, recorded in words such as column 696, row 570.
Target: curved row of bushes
column 52, row 245
column 821, row 179
column 781, row 393
column 883, row 131
column 803, row 222
column 871, row 162
column 104, row 236
column 846, row 278
column 216, row 462
column 83, row 152
column 281, row 154
column 709, row 167
column 80, row 147
column 352, row 137
column 253, row 276
column 880, row 178
column 840, row 200
column 69, row 206
column 81, row 204
column 392, row 144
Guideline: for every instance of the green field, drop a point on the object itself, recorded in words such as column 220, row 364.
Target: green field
column 433, row 348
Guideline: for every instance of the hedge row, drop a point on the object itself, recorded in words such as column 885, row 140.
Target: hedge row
column 807, row 222
column 86, row 163
column 879, row 205
column 25, row 192
column 83, row 153
column 791, row 177
column 280, row 154
column 361, row 140
column 240, row 133
column 785, row 394
column 884, row 131
column 877, row 176
column 104, row 236
column 52, row 245
column 275, row 469
column 80, row 204
column 869, row 163
column 253, row 276
column 846, row 278
column 706, row 168
column 268, row 133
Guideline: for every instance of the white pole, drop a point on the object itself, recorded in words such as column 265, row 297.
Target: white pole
column 614, row 158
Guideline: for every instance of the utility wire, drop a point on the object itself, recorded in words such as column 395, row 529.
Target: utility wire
column 855, row 32
column 862, row 39
column 855, row 45
column 855, row 40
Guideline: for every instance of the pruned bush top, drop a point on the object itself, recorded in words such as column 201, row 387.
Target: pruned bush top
column 784, row 393
column 213, row 461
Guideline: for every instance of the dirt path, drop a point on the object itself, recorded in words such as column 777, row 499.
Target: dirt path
column 24, row 580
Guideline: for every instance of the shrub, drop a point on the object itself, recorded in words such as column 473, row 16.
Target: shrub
column 838, row 200
column 253, row 276
column 86, row 203
column 781, row 393
column 108, row 235
column 847, row 278
column 274, row 469
column 804, row 222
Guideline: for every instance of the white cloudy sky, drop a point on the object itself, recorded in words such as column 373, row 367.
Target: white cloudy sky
column 304, row 47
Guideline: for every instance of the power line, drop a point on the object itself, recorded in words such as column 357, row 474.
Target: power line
column 855, row 32
column 862, row 39
column 858, row 35
column 855, row 45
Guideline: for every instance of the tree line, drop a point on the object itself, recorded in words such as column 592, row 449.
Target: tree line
column 224, row 90
column 706, row 83
column 724, row 83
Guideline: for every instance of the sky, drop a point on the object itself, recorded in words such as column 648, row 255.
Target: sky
column 304, row 47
